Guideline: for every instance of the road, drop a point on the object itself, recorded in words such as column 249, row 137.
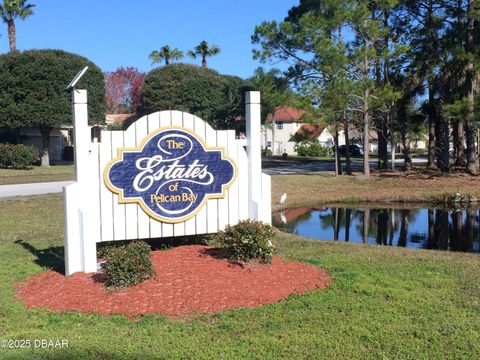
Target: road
column 32, row 189
column 286, row 167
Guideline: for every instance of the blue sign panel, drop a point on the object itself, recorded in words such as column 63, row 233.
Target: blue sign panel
column 171, row 174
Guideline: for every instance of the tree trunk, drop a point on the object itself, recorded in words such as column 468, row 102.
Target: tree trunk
column 469, row 238
column 366, row 120
column 442, row 127
column 442, row 144
column 348, row 214
column 431, row 241
column 348, row 162
column 402, row 238
column 366, row 135
column 45, row 132
column 204, row 62
column 381, row 121
column 384, row 129
column 432, row 59
column 378, row 239
column 432, row 120
column 459, row 143
column 453, row 126
column 266, row 137
column 336, row 228
column 391, row 227
column 472, row 161
column 407, row 159
column 273, row 138
column 402, row 117
column 477, row 141
column 382, row 145
column 441, row 228
column 382, row 227
column 393, row 149
column 457, row 238
column 366, row 225
column 457, row 125
column 338, row 160
column 12, row 38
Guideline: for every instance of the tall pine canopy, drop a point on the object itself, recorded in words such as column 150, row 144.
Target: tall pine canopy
column 383, row 66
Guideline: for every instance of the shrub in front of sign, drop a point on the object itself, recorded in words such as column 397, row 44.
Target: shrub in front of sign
column 248, row 240
column 17, row 156
column 128, row 265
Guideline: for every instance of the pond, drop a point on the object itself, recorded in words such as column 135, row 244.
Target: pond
column 405, row 226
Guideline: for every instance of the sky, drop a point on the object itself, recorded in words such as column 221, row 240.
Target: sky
column 114, row 33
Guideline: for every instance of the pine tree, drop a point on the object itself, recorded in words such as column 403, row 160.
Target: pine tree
column 425, row 30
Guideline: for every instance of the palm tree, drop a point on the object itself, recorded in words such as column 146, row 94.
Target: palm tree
column 166, row 54
column 204, row 51
column 9, row 11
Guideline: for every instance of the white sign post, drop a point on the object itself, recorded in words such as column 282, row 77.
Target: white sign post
column 259, row 184
column 133, row 183
column 80, row 253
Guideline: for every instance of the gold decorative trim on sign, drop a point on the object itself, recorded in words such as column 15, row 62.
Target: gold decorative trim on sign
column 139, row 200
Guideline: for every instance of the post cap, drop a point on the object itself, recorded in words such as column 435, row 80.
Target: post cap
column 252, row 97
column 79, row 96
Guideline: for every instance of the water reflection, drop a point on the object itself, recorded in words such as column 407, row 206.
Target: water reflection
column 444, row 229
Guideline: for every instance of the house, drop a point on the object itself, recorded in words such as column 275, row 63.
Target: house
column 60, row 139
column 356, row 137
column 420, row 143
column 286, row 128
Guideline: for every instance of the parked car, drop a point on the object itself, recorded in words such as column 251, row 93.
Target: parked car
column 355, row 150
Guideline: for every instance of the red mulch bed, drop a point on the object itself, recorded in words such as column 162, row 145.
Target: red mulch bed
column 190, row 279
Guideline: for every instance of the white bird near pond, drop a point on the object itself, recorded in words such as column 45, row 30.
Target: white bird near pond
column 283, row 198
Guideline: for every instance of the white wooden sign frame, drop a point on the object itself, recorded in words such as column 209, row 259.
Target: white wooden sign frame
column 93, row 213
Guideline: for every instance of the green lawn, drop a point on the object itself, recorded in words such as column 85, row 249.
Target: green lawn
column 36, row 174
column 388, row 303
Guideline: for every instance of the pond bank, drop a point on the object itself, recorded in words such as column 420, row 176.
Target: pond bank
column 314, row 189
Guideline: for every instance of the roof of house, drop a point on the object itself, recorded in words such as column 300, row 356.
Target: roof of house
column 286, row 114
column 309, row 131
column 356, row 133
column 119, row 118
